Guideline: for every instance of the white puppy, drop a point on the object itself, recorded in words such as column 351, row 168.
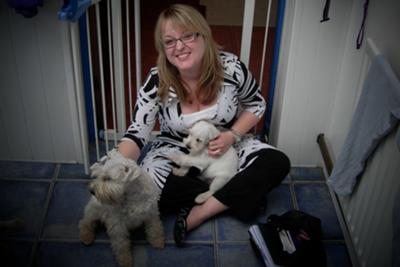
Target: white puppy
column 219, row 170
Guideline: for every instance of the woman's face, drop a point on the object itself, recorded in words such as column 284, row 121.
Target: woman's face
column 186, row 57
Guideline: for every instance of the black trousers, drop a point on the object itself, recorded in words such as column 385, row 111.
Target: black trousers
column 243, row 194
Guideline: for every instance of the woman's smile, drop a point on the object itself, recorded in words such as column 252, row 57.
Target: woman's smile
column 183, row 56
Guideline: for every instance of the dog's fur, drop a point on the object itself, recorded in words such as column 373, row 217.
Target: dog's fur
column 124, row 198
column 217, row 169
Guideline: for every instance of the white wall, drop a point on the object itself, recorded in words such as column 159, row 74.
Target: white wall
column 319, row 72
column 38, row 110
column 311, row 67
column 381, row 27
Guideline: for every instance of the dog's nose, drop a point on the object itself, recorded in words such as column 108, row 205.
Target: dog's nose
column 188, row 146
column 91, row 192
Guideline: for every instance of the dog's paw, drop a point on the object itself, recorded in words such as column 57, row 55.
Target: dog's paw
column 157, row 242
column 124, row 258
column 86, row 237
column 201, row 198
column 176, row 158
column 179, row 171
column 155, row 233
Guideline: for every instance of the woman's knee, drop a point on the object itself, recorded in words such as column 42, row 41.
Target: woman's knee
column 283, row 163
column 273, row 166
column 275, row 159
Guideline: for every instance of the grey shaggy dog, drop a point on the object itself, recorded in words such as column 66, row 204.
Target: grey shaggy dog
column 123, row 198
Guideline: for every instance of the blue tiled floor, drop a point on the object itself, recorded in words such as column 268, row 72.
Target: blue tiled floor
column 50, row 199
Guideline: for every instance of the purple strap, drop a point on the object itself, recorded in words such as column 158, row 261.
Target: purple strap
column 360, row 36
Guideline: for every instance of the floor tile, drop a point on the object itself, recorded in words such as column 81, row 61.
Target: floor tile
column 15, row 253
column 337, row 255
column 231, row 229
column 238, row 255
column 315, row 200
column 279, row 200
column 50, row 254
column 25, row 200
column 303, row 173
column 15, row 169
column 193, row 255
column 65, row 210
column 73, row 171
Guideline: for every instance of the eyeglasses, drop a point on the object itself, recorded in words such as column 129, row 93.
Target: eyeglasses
column 185, row 38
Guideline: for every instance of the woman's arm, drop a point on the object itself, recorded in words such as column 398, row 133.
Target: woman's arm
column 129, row 149
column 143, row 118
column 250, row 100
column 245, row 123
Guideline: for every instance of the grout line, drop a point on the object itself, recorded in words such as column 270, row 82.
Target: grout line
column 73, row 180
column 71, row 240
column 134, row 242
column 47, row 180
column 143, row 242
column 334, row 241
column 216, row 249
column 43, row 219
column 293, row 195
column 235, row 242
column 308, row 182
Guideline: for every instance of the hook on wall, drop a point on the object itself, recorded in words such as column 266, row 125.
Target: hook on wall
column 325, row 14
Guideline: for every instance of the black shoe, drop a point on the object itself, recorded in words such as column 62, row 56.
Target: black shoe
column 180, row 226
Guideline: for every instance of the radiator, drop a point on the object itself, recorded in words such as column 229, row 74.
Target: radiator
column 368, row 212
column 366, row 215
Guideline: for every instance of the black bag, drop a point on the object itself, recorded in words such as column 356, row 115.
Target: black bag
column 305, row 233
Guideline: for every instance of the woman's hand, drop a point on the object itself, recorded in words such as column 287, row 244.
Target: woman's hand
column 219, row 145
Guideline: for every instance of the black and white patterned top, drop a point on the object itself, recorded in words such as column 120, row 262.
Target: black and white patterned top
column 239, row 92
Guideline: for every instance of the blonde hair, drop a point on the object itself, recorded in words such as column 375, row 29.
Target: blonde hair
column 188, row 18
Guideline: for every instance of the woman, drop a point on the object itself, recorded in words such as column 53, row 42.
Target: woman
column 193, row 80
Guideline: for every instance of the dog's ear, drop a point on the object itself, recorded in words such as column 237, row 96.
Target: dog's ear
column 114, row 153
column 131, row 170
column 103, row 160
column 95, row 169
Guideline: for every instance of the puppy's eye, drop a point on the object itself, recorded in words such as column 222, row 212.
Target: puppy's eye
column 198, row 140
column 106, row 179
